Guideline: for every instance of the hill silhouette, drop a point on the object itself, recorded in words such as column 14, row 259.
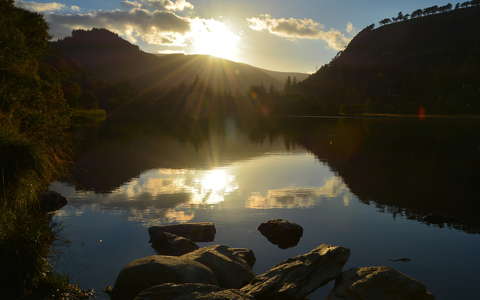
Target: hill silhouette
column 430, row 62
column 105, row 56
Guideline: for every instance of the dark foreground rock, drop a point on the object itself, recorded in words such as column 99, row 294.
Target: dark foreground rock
column 225, row 267
column 52, row 201
column 378, row 283
column 197, row 232
column 229, row 265
column 166, row 243
column 282, row 233
column 190, row 291
column 149, row 271
column 299, row 276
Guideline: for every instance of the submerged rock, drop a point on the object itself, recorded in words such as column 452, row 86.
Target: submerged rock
column 197, row 232
column 149, row 271
column 229, row 265
column 166, row 243
column 299, row 276
column 190, row 291
column 52, row 201
column 282, row 233
column 378, row 283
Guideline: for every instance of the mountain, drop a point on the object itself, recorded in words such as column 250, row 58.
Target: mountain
column 431, row 62
column 105, row 56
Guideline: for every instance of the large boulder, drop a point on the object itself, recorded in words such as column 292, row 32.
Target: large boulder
column 154, row 270
column 299, row 276
column 229, row 265
column 378, row 283
column 197, row 232
column 190, row 291
column 282, row 233
column 166, row 243
column 52, row 201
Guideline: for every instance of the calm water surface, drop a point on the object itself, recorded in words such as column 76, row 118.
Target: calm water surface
column 362, row 184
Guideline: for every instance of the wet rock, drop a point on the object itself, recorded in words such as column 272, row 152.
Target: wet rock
column 149, row 271
column 282, row 233
column 52, row 201
column 166, row 243
column 190, row 291
column 228, row 264
column 196, row 232
column 378, row 283
column 246, row 254
column 299, row 276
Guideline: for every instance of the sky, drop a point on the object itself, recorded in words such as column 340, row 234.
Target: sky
column 280, row 35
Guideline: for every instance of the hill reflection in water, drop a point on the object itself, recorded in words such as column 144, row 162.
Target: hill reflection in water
column 407, row 167
column 319, row 173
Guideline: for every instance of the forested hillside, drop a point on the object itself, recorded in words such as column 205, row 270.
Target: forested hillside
column 428, row 60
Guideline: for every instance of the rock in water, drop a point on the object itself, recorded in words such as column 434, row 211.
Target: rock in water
column 299, row 276
column 154, row 270
column 282, row 233
column 378, row 283
column 197, row 232
column 228, row 264
column 52, row 201
column 166, row 243
column 190, row 291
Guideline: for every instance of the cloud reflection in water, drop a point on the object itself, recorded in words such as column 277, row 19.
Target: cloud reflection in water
column 300, row 197
column 158, row 196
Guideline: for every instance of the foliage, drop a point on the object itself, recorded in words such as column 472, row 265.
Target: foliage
column 34, row 118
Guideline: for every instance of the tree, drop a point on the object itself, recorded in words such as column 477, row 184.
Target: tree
column 385, row 21
column 400, row 16
column 288, row 85
column 417, row 13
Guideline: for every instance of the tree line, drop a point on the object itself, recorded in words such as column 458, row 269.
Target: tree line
column 429, row 11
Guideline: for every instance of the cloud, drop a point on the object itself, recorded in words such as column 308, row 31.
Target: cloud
column 172, row 5
column 293, row 28
column 300, row 197
column 75, row 8
column 350, row 28
column 39, row 6
column 153, row 27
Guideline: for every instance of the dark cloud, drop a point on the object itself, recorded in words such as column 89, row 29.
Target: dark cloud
column 153, row 27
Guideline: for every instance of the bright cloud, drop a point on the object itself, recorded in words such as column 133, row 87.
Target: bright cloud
column 293, row 28
column 75, row 8
column 172, row 5
column 350, row 28
column 300, row 197
column 39, row 6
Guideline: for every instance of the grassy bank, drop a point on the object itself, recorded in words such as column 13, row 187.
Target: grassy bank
column 27, row 232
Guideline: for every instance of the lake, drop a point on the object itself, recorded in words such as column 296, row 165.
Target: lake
column 384, row 188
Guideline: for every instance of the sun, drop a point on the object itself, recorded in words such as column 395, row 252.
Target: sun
column 214, row 38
